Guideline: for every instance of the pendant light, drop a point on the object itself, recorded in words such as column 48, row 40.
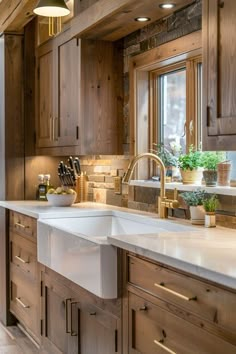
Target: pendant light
column 54, row 10
column 51, row 8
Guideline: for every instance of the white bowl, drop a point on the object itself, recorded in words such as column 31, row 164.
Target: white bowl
column 61, row 199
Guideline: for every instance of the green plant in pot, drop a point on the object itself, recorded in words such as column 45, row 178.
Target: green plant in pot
column 168, row 158
column 194, row 200
column 210, row 204
column 210, row 160
column 190, row 166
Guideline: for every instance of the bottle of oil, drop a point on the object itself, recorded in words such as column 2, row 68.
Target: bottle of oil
column 41, row 192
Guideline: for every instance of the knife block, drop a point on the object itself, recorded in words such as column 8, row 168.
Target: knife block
column 81, row 188
column 77, row 189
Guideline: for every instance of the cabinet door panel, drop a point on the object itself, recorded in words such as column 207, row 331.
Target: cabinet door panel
column 98, row 332
column 219, row 75
column 57, row 336
column 45, row 99
column 153, row 330
column 68, row 93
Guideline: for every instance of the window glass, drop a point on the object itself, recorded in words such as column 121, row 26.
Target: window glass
column 172, row 108
column 199, row 102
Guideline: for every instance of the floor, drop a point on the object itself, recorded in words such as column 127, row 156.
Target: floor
column 13, row 341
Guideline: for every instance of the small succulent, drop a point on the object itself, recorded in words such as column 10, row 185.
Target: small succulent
column 194, row 198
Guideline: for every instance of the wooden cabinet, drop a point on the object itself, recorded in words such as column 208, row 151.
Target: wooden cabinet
column 58, row 80
column 168, row 311
column 153, row 330
column 79, row 96
column 24, row 273
column 219, row 75
column 72, row 323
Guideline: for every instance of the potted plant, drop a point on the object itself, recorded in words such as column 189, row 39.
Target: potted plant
column 210, row 204
column 210, row 160
column 168, row 158
column 194, row 200
column 190, row 166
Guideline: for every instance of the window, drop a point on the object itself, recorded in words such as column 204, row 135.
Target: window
column 177, row 104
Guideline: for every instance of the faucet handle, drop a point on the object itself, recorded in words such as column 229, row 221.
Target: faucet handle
column 175, row 194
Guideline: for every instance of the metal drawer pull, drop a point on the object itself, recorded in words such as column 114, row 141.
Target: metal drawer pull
column 92, row 313
column 21, row 303
column 162, row 286
column 21, row 259
column 21, row 225
column 159, row 343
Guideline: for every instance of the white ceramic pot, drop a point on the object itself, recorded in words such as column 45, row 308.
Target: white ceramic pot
column 210, row 220
column 197, row 215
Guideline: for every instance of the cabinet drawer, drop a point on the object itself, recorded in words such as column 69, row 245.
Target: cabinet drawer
column 23, row 254
column 23, row 224
column 24, row 300
column 205, row 300
column 153, row 330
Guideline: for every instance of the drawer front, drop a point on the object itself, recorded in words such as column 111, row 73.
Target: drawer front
column 24, row 225
column 209, row 302
column 153, row 330
column 24, row 300
column 23, row 254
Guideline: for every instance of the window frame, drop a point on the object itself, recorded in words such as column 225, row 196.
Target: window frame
column 140, row 68
column 192, row 103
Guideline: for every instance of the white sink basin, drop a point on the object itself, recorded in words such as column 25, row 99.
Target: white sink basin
column 78, row 249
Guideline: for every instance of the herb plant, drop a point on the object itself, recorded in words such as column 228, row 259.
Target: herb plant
column 190, row 161
column 194, row 198
column 165, row 155
column 210, row 204
column 210, row 159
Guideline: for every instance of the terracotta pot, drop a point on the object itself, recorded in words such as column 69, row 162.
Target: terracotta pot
column 197, row 214
column 210, row 177
column 223, row 174
column 191, row 177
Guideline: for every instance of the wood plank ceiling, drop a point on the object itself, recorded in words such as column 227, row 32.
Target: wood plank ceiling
column 105, row 19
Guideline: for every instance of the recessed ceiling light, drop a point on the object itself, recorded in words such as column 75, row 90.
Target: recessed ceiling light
column 167, row 5
column 142, row 19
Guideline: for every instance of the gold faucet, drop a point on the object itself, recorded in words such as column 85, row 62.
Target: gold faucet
column 163, row 202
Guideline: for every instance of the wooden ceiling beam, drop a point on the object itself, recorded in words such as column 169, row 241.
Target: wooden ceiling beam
column 15, row 14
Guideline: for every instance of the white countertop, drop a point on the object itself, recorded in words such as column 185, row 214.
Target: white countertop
column 207, row 253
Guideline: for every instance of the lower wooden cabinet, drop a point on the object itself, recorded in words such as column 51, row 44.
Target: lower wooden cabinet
column 73, row 325
column 153, row 330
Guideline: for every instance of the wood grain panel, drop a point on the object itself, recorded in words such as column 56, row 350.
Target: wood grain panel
column 150, row 325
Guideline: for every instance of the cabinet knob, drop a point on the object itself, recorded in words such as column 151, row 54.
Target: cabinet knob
column 143, row 308
column 92, row 313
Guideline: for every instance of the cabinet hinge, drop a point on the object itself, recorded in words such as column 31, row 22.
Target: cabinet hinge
column 116, row 341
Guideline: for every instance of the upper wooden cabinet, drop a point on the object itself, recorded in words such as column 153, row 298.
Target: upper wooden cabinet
column 219, row 75
column 79, row 97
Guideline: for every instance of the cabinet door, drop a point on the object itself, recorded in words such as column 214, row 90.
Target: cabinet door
column 219, row 75
column 58, row 319
column 98, row 331
column 153, row 330
column 45, row 96
column 67, row 122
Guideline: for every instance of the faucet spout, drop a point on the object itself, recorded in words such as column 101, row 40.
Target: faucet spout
column 162, row 206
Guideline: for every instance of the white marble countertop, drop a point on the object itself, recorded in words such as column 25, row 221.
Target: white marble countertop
column 207, row 253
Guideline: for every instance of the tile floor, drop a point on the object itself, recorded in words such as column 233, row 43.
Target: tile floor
column 13, row 341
